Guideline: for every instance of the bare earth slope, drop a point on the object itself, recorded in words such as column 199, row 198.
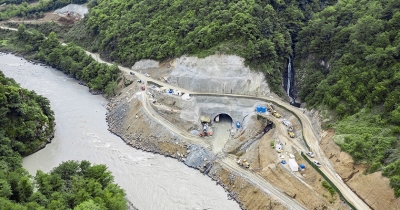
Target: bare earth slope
column 373, row 188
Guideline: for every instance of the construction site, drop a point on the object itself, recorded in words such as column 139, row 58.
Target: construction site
column 234, row 140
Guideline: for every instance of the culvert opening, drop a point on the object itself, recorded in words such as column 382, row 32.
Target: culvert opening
column 268, row 128
column 223, row 118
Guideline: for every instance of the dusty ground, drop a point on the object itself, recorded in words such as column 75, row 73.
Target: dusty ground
column 263, row 159
column 305, row 186
column 48, row 17
column 373, row 188
column 249, row 196
column 136, row 128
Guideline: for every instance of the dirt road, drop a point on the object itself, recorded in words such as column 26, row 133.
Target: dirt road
column 308, row 132
column 228, row 162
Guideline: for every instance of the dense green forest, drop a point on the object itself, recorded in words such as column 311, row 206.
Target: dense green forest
column 70, row 58
column 25, row 117
column 19, row 8
column 351, row 53
column 260, row 31
column 347, row 55
column 26, row 122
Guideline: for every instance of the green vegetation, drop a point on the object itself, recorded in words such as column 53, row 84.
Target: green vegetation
column 365, row 136
column 71, row 59
column 328, row 181
column 328, row 187
column 348, row 52
column 360, row 41
column 19, row 8
column 26, row 122
column 260, row 31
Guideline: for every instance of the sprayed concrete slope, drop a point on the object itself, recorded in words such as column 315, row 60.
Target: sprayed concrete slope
column 217, row 74
column 213, row 74
column 81, row 10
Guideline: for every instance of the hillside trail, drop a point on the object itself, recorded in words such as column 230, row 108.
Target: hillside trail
column 308, row 132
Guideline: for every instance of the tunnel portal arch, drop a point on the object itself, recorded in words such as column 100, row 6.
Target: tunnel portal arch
column 222, row 114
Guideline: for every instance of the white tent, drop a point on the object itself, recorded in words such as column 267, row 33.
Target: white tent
column 293, row 165
column 186, row 96
column 177, row 93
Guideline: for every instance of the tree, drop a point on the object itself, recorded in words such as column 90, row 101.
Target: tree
column 5, row 189
column 89, row 205
column 21, row 31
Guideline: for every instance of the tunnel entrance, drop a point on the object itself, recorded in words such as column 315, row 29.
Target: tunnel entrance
column 222, row 127
column 223, row 118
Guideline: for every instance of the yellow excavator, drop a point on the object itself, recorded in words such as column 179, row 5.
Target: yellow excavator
column 276, row 114
column 290, row 132
column 271, row 109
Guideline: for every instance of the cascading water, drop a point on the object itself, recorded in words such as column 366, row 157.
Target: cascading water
column 290, row 86
column 289, row 69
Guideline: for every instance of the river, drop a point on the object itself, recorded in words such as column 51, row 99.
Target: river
column 151, row 181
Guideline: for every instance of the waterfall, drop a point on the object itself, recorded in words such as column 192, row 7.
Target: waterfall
column 289, row 69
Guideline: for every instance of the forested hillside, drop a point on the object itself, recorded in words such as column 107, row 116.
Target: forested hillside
column 26, row 122
column 25, row 117
column 71, row 59
column 351, row 53
column 260, row 31
column 347, row 55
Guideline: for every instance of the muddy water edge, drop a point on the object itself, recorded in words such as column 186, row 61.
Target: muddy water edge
column 151, row 181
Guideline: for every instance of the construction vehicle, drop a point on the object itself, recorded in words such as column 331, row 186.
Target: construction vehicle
column 271, row 109
column 205, row 121
column 243, row 163
column 276, row 114
column 290, row 132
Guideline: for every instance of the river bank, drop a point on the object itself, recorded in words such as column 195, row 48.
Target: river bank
column 81, row 134
column 127, row 119
column 129, row 116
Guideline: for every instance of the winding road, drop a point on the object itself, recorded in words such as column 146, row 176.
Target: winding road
column 308, row 132
column 311, row 137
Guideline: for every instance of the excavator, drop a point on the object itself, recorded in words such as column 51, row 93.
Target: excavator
column 271, row 109
column 290, row 132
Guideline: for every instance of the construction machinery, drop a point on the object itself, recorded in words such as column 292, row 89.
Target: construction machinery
column 288, row 124
column 243, row 163
column 290, row 131
column 206, row 129
column 291, row 134
column 271, row 109
column 276, row 114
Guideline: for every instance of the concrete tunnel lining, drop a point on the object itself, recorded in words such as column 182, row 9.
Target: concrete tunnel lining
column 219, row 114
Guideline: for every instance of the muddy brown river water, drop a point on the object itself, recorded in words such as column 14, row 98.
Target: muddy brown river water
column 150, row 181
